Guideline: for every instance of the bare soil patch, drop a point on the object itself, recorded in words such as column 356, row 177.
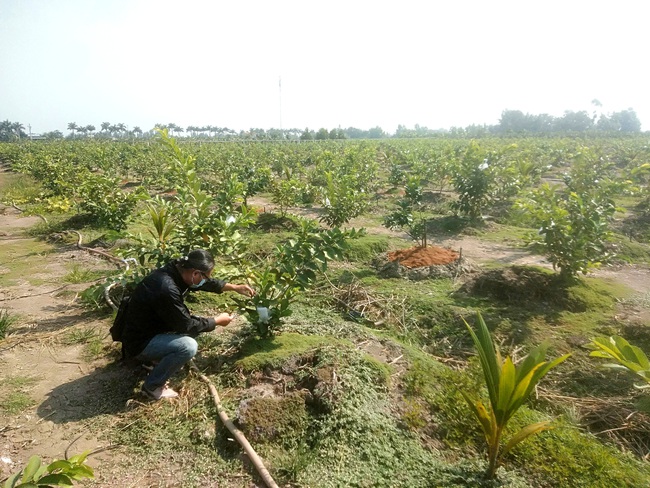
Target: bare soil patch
column 418, row 256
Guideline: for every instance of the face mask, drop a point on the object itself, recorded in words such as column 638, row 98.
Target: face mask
column 199, row 284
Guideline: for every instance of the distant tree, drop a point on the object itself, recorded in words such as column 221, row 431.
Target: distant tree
column 322, row 134
column 90, row 128
column 18, row 130
column 513, row 121
column 629, row 121
column 376, row 133
column 137, row 131
column 404, row 132
column 55, row 134
column 307, row 135
column 276, row 134
column 624, row 121
column 354, row 133
column 72, row 126
column 105, row 129
column 293, row 133
column 10, row 131
column 473, row 130
column 337, row 134
column 257, row 134
column 574, row 122
column 597, row 109
column 120, row 129
column 174, row 128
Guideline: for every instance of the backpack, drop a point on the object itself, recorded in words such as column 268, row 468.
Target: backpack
column 117, row 330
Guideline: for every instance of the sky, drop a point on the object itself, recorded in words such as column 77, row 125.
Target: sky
column 351, row 63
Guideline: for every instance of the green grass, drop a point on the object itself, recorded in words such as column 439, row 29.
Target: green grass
column 256, row 354
column 14, row 397
column 507, row 234
column 78, row 274
column 90, row 337
column 567, row 457
column 15, row 402
column 630, row 251
column 22, row 260
column 18, row 189
column 6, row 320
column 365, row 248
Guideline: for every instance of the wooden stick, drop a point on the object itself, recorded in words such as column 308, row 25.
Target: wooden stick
column 237, row 434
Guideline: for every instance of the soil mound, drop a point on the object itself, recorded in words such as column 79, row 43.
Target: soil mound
column 419, row 263
column 526, row 285
column 417, row 257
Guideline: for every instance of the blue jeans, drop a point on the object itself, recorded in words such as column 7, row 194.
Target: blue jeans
column 171, row 352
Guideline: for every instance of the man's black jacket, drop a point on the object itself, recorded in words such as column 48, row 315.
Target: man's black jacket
column 157, row 307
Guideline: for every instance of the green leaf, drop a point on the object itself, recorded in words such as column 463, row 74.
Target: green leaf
column 487, row 356
column 506, row 388
column 30, row 470
column 12, row 480
column 524, row 433
column 487, row 421
column 80, row 472
column 57, row 479
column 59, row 465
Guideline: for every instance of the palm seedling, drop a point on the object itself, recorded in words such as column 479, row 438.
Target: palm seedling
column 509, row 386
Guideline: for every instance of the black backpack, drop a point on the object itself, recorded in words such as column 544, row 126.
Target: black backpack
column 117, row 330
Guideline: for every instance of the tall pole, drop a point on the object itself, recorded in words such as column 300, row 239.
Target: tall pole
column 280, row 90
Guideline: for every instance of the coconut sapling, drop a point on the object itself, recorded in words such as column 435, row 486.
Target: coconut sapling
column 508, row 386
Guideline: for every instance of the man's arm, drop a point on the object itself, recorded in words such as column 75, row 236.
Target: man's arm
column 242, row 289
column 175, row 315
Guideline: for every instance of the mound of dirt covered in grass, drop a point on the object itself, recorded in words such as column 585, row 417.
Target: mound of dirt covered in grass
column 418, row 263
column 516, row 283
column 531, row 286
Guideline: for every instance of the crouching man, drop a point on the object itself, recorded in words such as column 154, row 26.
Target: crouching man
column 159, row 328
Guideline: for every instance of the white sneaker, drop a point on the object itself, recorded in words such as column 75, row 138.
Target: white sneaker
column 160, row 392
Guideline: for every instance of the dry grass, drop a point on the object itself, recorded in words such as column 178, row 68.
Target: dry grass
column 614, row 418
column 377, row 310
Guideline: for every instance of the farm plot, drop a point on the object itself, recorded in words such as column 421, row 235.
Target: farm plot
column 356, row 379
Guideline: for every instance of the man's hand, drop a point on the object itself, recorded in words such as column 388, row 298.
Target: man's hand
column 245, row 290
column 224, row 319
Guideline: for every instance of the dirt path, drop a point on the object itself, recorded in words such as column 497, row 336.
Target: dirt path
column 45, row 371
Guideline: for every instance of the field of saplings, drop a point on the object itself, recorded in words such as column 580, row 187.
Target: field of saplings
column 439, row 312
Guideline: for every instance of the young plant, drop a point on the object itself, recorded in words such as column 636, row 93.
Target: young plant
column 6, row 319
column 409, row 215
column 508, row 386
column 203, row 219
column 109, row 206
column 574, row 222
column 573, row 228
column 57, row 473
column 343, row 200
column 626, row 356
column 473, row 181
column 293, row 269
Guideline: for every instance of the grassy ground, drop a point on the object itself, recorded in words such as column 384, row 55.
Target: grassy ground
column 335, row 400
column 350, row 396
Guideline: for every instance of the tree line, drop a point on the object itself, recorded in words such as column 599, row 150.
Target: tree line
column 511, row 122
